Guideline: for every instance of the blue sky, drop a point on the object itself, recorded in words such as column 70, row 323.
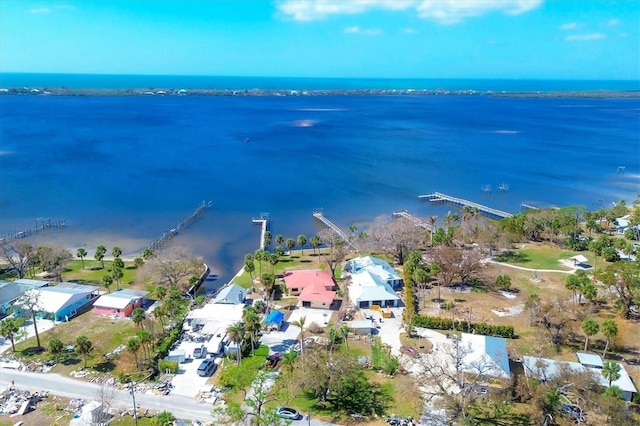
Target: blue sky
column 536, row 39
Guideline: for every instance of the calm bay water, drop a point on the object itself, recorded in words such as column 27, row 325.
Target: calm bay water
column 121, row 170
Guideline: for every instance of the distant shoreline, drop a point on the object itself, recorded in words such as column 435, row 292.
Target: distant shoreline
column 63, row 91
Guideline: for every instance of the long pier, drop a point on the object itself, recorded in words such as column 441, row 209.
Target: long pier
column 184, row 223
column 319, row 215
column 41, row 224
column 263, row 221
column 438, row 197
column 418, row 222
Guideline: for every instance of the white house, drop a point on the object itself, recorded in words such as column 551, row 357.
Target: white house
column 375, row 266
column 367, row 289
column 63, row 301
column 486, row 355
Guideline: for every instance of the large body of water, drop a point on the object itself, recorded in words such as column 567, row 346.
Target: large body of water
column 121, row 170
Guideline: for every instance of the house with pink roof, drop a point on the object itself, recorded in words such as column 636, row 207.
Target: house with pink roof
column 314, row 288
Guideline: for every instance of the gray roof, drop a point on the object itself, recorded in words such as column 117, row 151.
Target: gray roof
column 590, row 360
column 231, row 294
column 11, row 290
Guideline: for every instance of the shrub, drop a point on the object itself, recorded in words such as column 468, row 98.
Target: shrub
column 438, row 323
column 165, row 365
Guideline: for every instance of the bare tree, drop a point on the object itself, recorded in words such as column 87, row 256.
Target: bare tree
column 105, row 395
column 54, row 260
column 452, row 376
column 172, row 266
column 456, row 263
column 337, row 249
column 396, row 237
column 29, row 301
column 18, row 256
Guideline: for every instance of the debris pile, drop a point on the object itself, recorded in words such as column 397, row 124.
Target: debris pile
column 19, row 402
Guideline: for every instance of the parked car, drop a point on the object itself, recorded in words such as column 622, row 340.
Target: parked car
column 200, row 352
column 288, row 413
column 207, row 367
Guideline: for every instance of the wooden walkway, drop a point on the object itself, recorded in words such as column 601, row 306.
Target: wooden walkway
column 263, row 221
column 421, row 223
column 184, row 223
column 438, row 197
column 319, row 215
column 42, row 224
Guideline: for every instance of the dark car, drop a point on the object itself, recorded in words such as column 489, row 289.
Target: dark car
column 288, row 413
column 207, row 368
column 272, row 361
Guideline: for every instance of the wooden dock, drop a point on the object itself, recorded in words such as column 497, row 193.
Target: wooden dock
column 421, row 223
column 41, row 224
column 263, row 221
column 319, row 215
column 438, row 197
column 184, row 223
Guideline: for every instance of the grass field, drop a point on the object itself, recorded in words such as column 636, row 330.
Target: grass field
column 539, row 256
column 93, row 273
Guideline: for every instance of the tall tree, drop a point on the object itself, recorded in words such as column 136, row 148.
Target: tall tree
column 145, row 338
column 236, row 335
column 590, row 327
column 116, row 252
column 99, row 255
column 133, row 346
column 83, row 347
column 107, row 280
column 302, row 241
column 81, row 253
column 300, row 323
column 279, row 239
column 18, row 256
column 9, row 328
column 29, row 301
column 117, row 274
column 172, row 266
column 611, row 371
column 138, row 316
column 610, row 330
column 291, row 243
column 266, row 242
column 147, row 253
column 315, row 242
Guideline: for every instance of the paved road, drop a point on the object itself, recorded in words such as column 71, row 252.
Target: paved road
column 182, row 407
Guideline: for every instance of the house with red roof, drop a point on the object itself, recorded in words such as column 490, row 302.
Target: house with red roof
column 315, row 288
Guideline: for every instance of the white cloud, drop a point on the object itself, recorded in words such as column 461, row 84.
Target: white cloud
column 442, row 11
column 569, row 26
column 613, row 22
column 409, row 30
column 357, row 30
column 585, row 37
column 40, row 10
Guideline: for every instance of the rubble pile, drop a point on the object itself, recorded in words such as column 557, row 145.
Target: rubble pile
column 16, row 401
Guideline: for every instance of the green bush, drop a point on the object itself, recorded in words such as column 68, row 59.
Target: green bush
column 165, row 365
column 438, row 323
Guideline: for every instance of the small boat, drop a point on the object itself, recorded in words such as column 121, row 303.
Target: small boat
column 247, row 139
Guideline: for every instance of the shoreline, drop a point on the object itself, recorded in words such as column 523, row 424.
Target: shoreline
column 141, row 91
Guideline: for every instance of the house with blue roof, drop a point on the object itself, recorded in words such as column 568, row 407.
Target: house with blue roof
column 12, row 290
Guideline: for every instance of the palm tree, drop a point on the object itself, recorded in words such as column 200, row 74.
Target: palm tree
column 81, row 253
column 611, row 371
column 279, row 239
column 138, row 262
column 145, row 339
column 8, row 329
column 116, row 252
column 160, row 292
column 55, row 347
column 99, row 256
column 251, row 324
column 344, row 333
column 84, row 347
column 291, row 243
column 236, row 335
column 273, row 261
column 302, row 240
column 133, row 346
column 432, row 222
column 572, row 283
column 250, row 267
column 315, row 242
column 138, row 316
column 118, row 263
column 300, row 323
column 117, row 275
column 147, row 253
column 590, row 328
column 609, row 329
column 267, row 239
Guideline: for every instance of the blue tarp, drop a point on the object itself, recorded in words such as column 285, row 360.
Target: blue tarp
column 275, row 317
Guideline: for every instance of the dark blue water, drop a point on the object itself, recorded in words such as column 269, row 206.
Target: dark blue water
column 99, row 81
column 121, row 170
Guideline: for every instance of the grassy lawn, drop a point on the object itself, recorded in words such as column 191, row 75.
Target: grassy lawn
column 241, row 376
column 539, row 256
column 105, row 334
column 93, row 272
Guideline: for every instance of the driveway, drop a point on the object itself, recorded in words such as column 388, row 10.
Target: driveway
column 28, row 331
column 281, row 341
column 187, row 382
column 390, row 328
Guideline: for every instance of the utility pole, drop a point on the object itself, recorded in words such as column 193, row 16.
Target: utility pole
column 135, row 408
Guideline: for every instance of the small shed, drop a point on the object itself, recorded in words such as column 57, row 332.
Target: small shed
column 579, row 260
column 361, row 327
column 274, row 320
column 176, row 355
